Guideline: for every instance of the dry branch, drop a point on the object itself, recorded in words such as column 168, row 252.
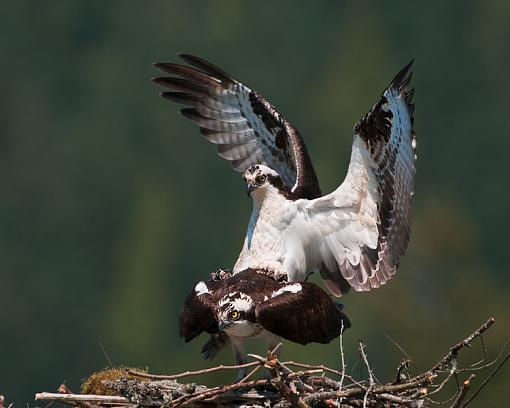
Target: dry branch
column 100, row 399
column 315, row 386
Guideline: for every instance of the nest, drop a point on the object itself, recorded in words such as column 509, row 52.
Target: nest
column 288, row 384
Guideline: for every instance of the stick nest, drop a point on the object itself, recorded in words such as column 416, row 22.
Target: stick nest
column 289, row 384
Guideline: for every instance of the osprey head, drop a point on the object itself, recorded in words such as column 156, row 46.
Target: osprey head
column 236, row 313
column 258, row 176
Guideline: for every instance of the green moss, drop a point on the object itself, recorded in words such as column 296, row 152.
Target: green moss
column 95, row 383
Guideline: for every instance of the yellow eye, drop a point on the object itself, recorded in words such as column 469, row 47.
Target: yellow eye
column 261, row 179
column 234, row 315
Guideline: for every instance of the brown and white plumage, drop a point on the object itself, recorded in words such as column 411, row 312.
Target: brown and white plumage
column 251, row 305
column 246, row 128
column 354, row 236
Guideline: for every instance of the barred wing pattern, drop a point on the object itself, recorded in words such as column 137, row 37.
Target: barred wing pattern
column 365, row 224
column 246, row 128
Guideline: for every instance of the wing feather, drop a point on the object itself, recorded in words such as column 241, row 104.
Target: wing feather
column 308, row 315
column 198, row 313
column 365, row 223
column 231, row 114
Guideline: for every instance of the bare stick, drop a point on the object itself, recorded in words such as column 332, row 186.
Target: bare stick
column 289, row 393
column 481, row 367
column 452, row 372
column 323, row 367
column 484, row 350
column 191, row 373
column 304, row 373
column 452, row 353
column 64, row 389
column 462, row 392
column 370, row 374
column 106, row 355
column 182, row 399
column 377, row 389
column 408, row 357
column 342, row 357
column 260, row 359
column 50, row 396
column 250, row 374
column 200, row 396
column 489, row 377
column 276, row 348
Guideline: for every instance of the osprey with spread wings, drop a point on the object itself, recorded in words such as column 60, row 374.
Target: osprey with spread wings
column 354, row 236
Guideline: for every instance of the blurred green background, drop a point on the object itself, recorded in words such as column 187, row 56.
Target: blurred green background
column 112, row 205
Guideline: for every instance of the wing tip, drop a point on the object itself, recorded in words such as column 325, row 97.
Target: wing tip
column 401, row 81
column 206, row 67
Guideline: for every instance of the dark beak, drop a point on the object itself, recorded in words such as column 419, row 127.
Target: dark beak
column 222, row 324
column 249, row 188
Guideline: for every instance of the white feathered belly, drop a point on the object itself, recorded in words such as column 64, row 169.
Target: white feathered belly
column 277, row 243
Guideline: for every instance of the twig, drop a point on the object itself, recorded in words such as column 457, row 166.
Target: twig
column 342, row 357
column 452, row 372
column 489, row 377
column 462, row 392
column 106, row 355
column 483, row 355
column 408, row 357
column 276, row 348
column 304, row 373
column 183, row 399
column 377, row 389
column 64, row 389
column 323, row 367
column 481, row 367
column 191, row 373
column 217, row 390
column 371, row 382
column 452, row 353
column 250, row 374
column 288, row 393
column 111, row 399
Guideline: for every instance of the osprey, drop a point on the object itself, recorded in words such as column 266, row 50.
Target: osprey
column 251, row 305
column 354, row 236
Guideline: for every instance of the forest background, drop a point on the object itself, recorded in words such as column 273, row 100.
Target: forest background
column 112, row 206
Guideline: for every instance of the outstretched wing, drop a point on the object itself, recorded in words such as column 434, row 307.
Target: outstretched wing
column 365, row 224
column 303, row 313
column 246, row 128
column 198, row 312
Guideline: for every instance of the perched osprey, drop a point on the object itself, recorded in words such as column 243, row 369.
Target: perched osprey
column 252, row 305
column 354, row 236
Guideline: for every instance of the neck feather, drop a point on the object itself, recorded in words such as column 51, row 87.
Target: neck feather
column 266, row 194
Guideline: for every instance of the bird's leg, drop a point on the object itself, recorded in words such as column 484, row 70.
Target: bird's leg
column 240, row 356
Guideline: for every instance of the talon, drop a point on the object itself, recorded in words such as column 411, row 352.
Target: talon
column 221, row 274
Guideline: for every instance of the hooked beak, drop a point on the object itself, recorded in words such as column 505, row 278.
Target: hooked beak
column 222, row 324
column 249, row 188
